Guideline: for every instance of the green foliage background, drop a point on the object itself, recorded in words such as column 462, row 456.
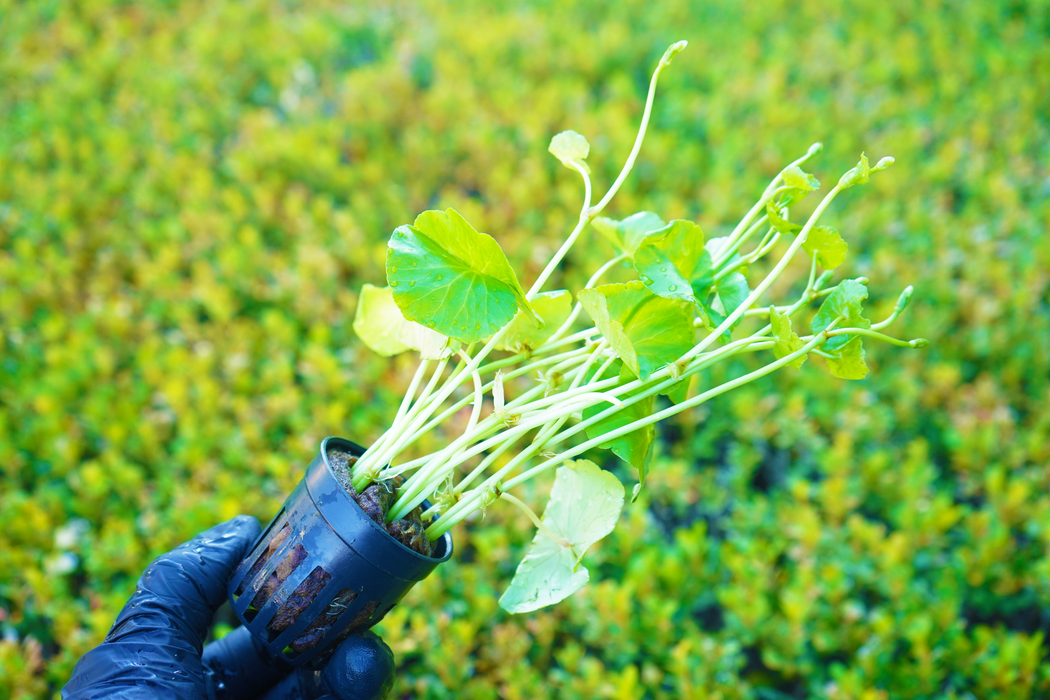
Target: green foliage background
column 192, row 192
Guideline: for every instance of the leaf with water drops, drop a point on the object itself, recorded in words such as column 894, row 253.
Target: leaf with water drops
column 584, row 506
column 452, row 279
column 670, row 259
column 646, row 331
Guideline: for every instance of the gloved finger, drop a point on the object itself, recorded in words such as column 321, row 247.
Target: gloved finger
column 179, row 592
column 238, row 667
column 362, row 668
column 156, row 639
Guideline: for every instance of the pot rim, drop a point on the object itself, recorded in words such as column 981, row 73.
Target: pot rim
column 353, row 448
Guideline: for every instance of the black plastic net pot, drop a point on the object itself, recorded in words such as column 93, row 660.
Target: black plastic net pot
column 323, row 569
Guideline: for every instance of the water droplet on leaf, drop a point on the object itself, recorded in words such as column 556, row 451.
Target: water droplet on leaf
column 673, row 287
column 393, row 284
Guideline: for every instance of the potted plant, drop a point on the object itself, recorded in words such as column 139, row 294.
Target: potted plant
column 363, row 526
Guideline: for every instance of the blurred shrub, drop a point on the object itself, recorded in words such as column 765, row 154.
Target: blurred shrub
column 191, row 193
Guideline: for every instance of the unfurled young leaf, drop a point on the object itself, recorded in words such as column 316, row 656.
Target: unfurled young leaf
column 584, row 505
column 829, row 247
column 785, row 340
column 857, row 175
column 669, row 259
column 646, row 331
column 452, row 279
column 860, row 173
column 779, row 222
column 570, row 147
column 845, row 302
column 524, row 334
column 381, row 326
column 634, row 448
column 848, row 361
column 626, row 235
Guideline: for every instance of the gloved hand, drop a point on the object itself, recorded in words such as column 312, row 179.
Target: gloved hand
column 155, row 648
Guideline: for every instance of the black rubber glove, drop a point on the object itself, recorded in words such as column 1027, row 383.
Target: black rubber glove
column 155, row 649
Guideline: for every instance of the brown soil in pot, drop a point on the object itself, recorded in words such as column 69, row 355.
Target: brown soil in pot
column 376, row 501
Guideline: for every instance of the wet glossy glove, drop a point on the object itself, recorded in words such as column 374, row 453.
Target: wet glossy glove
column 156, row 647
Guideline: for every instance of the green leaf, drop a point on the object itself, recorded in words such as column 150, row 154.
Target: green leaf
column 669, row 259
column 848, row 361
column 452, row 279
column 846, row 301
column 584, row 505
column 730, row 292
column 525, row 335
column 626, row 235
column 829, row 247
column 779, row 222
column 785, row 341
column 381, row 326
column 570, row 147
column 636, row 447
column 799, row 179
column 646, row 331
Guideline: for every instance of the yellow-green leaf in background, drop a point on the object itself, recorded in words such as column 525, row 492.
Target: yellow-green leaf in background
column 848, row 361
column 584, row 505
column 785, row 340
column 570, row 147
column 829, row 247
column 381, row 326
column 524, row 334
column 799, row 179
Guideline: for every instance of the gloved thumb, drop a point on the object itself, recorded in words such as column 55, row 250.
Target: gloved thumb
column 157, row 638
